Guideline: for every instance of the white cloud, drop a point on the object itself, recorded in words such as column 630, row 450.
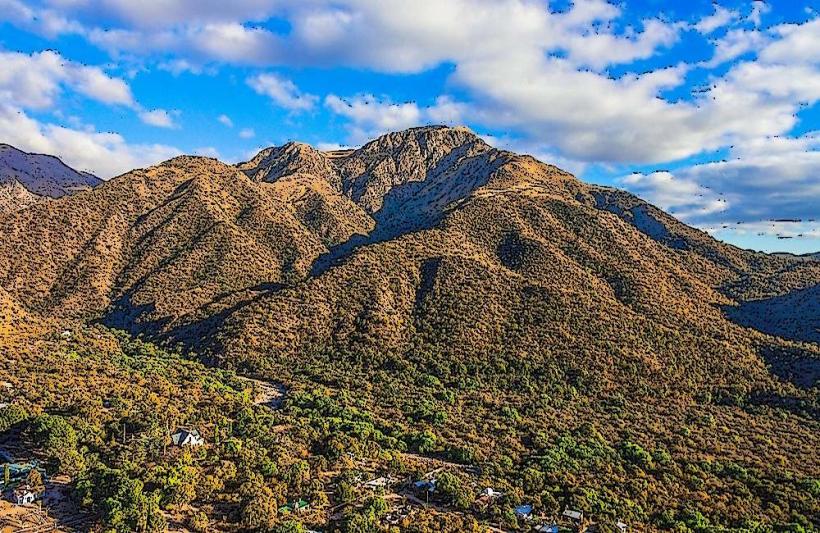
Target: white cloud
column 158, row 117
column 35, row 81
column 46, row 22
column 225, row 120
column 247, row 133
column 720, row 18
column 369, row 116
column 759, row 8
column 736, row 43
column 283, row 92
column 796, row 43
column 104, row 154
column 766, row 179
column 683, row 197
column 599, row 50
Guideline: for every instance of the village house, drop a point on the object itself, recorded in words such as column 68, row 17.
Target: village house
column 186, row 437
column 491, row 493
column 294, row 507
column 621, row 526
column 576, row 517
column 425, row 485
column 487, row 497
column 524, row 512
column 547, row 528
column 380, row 483
column 23, row 495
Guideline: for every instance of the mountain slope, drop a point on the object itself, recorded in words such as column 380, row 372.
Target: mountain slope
column 25, row 177
column 151, row 246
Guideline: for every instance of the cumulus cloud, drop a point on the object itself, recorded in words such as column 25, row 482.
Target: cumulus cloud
column 736, row 43
column 35, row 80
column 369, row 116
column 247, row 133
column 683, row 196
column 158, row 117
column 759, row 8
column 225, row 120
column 599, row 50
column 794, row 43
column 282, row 92
column 47, row 22
column 765, row 179
column 720, row 18
column 104, row 154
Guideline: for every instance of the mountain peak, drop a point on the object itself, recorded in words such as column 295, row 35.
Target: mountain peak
column 277, row 162
column 24, row 177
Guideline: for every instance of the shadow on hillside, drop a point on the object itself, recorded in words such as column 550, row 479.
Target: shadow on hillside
column 792, row 364
column 406, row 208
column 794, row 316
column 191, row 335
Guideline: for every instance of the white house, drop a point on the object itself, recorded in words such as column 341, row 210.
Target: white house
column 491, row 493
column 576, row 516
column 186, row 437
column 379, row 483
column 622, row 526
column 24, row 496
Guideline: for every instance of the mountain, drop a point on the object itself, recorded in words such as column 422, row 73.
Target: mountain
column 428, row 297
column 197, row 251
column 25, row 178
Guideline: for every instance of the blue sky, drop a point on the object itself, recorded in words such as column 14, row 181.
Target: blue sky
column 709, row 110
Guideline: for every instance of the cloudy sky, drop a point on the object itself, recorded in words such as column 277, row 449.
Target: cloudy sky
column 709, row 110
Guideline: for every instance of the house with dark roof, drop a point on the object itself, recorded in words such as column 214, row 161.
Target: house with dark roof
column 187, row 437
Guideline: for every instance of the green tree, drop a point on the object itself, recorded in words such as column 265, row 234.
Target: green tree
column 59, row 441
column 291, row 526
column 259, row 509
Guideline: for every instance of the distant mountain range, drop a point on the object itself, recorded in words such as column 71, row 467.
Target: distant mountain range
column 26, row 178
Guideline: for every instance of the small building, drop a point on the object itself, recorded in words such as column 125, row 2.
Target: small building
column 547, row 528
column 23, row 495
column 621, row 526
column 490, row 492
column 186, row 437
column 523, row 512
column 425, row 485
column 574, row 516
column 294, row 507
column 379, row 483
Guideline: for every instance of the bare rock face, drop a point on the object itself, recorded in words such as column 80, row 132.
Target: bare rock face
column 14, row 196
column 393, row 161
column 275, row 163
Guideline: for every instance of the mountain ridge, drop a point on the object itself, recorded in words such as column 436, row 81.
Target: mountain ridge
column 26, row 178
column 326, row 209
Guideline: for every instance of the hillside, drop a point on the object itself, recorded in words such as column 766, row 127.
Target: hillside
column 25, row 178
column 430, row 295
